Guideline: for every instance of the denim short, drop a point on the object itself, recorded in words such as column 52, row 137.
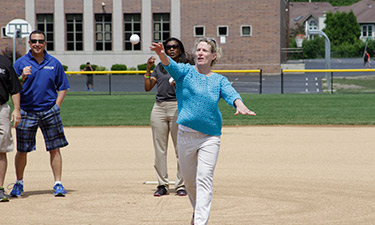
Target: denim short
column 49, row 122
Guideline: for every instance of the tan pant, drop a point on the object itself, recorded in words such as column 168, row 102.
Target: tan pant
column 6, row 139
column 163, row 121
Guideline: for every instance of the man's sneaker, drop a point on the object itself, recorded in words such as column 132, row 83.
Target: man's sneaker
column 59, row 190
column 162, row 190
column 17, row 190
column 181, row 192
column 3, row 197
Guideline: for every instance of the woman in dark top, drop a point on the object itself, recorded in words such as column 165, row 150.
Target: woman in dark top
column 164, row 115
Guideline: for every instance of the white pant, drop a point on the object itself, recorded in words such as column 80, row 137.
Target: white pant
column 198, row 155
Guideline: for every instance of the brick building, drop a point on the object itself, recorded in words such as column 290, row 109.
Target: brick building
column 250, row 32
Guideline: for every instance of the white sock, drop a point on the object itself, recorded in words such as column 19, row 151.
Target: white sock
column 58, row 182
column 19, row 182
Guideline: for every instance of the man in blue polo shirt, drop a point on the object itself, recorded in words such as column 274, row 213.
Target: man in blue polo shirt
column 44, row 84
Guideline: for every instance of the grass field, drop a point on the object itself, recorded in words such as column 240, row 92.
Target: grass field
column 355, row 84
column 289, row 109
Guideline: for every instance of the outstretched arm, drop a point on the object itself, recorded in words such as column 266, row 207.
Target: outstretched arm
column 241, row 108
column 158, row 48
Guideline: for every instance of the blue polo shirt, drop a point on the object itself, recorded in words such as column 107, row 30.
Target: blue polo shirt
column 40, row 89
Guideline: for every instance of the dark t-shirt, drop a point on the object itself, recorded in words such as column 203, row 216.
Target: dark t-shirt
column 366, row 57
column 9, row 83
column 165, row 91
column 88, row 69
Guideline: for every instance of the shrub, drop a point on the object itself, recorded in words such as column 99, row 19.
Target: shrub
column 144, row 66
column 65, row 67
column 98, row 68
column 315, row 48
column 118, row 67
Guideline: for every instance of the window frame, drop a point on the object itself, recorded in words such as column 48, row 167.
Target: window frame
column 367, row 30
column 195, row 31
column 313, row 26
column 222, row 26
column 246, row 35
column 127, row 34
column 49, row 34
column 103, row 33
column 161, row 30
column 74, row 32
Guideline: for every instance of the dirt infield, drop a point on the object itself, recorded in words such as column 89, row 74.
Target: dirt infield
column 265, row 175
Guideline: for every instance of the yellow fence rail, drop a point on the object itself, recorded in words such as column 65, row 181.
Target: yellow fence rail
column 144, row 71
column 110, row 73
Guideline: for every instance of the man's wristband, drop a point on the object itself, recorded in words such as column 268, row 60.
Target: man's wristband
column 20, row 79
column 148, row 77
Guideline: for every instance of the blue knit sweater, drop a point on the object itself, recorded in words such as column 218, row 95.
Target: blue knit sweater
column 198, row 97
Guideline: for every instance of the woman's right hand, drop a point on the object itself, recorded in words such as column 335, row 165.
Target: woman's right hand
column 150, row 62
column 158, row 48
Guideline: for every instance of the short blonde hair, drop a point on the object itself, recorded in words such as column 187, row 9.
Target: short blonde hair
column 214, row 48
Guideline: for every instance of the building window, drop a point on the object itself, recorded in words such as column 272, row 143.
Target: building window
column 246, row 30
column 313, row 25
column 74, row 31
column 222, row 30
column 103, row 32
column 199, row 31
column 370, row 31
column 367, row 31
column 364, row 31
column 161, row 27
column 45, row 24
column 132, row 26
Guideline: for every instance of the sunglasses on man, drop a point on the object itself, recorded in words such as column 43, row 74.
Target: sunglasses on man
column 34, row 41
column 168, row 47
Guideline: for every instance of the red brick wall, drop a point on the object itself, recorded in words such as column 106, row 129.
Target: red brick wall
column 44, row 6
column 73, row 6
column 261, row 50
column 9, row 10
column 131, row 6
column 161, row 6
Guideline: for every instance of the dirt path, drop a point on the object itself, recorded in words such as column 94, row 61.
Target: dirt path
column 265, row 175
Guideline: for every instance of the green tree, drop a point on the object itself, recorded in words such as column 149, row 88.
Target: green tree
column 299, row 29
column 342, row 27
column 314, row 48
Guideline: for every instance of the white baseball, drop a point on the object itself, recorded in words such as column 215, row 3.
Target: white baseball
column 171, row 80
column 134, row 39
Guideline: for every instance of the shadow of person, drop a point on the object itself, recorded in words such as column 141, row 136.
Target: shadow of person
column 40, row 192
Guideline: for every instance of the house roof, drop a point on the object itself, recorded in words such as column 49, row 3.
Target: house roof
column 364, row 11
column 299, row 12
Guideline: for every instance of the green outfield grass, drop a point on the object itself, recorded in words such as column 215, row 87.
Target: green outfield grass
column 133, row 109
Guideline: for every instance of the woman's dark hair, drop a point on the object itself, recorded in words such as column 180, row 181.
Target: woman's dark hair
column 183, row 55
column 184, row 58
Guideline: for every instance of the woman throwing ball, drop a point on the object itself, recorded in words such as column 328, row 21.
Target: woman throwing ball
column 198, row 92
